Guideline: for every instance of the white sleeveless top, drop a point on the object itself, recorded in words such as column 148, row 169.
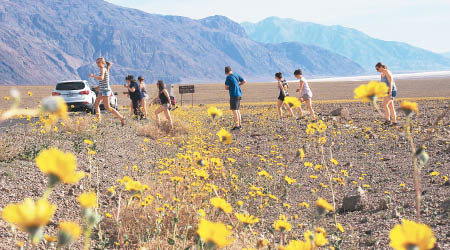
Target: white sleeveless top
column 306, row 90
column 104, row 84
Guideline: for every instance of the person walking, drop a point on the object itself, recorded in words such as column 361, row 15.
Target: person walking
column 144, row 95
column 232, row 84
column 390, row 115
column 164, row 99
column 305, row 94
column 134, row 91
column 283, row 92
column 104, row 90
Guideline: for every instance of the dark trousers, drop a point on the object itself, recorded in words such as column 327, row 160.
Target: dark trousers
column 137, row 107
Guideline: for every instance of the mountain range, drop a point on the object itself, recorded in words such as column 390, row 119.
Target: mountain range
column 446, row 54
column 46, row 41
column 357, row 46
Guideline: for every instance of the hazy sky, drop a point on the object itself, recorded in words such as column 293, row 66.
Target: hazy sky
column 422, row 23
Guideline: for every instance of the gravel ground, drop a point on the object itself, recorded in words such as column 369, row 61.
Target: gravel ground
column 380, row 158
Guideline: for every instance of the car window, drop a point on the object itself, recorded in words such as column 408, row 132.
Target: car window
column 70, row 86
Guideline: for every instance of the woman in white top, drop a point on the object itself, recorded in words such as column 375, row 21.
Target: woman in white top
column 305, row 94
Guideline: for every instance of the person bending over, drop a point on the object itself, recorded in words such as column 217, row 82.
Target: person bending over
column 283, row 89
column 388, row 102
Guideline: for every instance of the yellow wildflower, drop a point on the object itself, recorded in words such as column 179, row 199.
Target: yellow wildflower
column 301, row 153
column 322, row 140
column 297, row 245
column 201, row 173
column 224, row 136
column 221, row 204
column 409, row 107
column 216, row 234
column 246, row 218
column 68, row 232
column 434, row 173
column 303, row 204
column 88, row 200
column 88, row 142
column 323, row 205
column 282, row 224
column 59, row 166
column 371, row 91
column 334, row 161
column 412, row 235
column 293, row 102
column 176, row 179
column 49, row 238
column 214, row 112
column 289, row 180
column 29, row 214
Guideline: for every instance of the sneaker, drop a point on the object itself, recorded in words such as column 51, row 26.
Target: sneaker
column 235, row 127
column 239, row 128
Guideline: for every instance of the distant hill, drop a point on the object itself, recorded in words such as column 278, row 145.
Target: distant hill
column 357, row 46
column 45, row 41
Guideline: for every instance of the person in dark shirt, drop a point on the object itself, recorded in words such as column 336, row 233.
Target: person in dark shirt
column 164, row 98
column 135, row 94
column 232, row 84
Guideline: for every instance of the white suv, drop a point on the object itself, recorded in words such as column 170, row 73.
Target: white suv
column 79, row 95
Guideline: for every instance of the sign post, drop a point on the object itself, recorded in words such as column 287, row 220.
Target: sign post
column 187, row 89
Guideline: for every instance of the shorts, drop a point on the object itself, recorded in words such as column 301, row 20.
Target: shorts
column 166, row 105
column 106, row 92
column 235, row 102
column 281, row 97
column 394, row 94
column 306, row 96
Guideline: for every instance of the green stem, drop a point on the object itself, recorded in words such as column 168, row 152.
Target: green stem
column 415, row 167
column 47, row 193
column 87, row 238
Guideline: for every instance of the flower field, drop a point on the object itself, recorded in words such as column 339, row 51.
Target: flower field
column 73, row 182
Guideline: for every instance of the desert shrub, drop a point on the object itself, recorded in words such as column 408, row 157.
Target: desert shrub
column 154, row 132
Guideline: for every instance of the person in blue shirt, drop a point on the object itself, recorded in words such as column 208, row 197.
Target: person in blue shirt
column 233, row 84
column 135, row 93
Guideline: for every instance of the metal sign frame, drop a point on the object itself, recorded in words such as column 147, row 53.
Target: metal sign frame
column 187, row 89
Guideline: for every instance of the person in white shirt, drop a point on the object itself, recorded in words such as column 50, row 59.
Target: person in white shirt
column 305, row 94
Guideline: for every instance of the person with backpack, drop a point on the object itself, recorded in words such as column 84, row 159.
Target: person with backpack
column 283, row 92
column 134, row 91
column 233, row 84
column 104, row 89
